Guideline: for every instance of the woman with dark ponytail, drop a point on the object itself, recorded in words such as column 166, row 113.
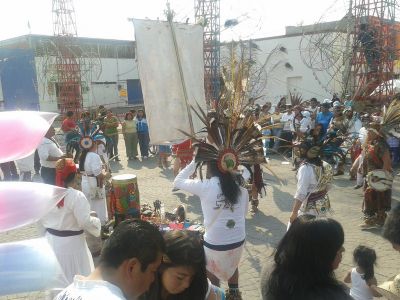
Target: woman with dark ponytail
column 224, row 204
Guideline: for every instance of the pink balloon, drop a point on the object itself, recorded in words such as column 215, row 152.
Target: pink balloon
column 23, row 203
column 22, row 132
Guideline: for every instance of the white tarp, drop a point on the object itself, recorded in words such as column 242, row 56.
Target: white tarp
column 161, row 81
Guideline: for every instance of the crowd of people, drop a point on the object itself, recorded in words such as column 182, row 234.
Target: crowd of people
column 139, row 261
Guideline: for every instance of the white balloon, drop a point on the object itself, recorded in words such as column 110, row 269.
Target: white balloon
column 28, row 266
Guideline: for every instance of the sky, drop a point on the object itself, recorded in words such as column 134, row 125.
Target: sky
column 109, row 18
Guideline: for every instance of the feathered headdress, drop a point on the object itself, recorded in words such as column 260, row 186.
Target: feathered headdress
column 87, row 134
column 390, row 125
column 234, row 138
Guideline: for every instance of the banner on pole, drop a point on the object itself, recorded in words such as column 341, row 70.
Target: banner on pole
column 161, row 80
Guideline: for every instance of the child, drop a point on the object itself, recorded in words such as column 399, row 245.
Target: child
column 164, row 151
column 362, row 276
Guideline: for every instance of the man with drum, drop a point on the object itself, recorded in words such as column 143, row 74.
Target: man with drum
column 377, row 168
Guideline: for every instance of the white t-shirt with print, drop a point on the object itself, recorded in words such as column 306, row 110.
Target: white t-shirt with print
column 83, row 289
column 223, row 225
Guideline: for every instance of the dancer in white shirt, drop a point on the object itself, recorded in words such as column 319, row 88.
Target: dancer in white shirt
column 66, row 223
column 91, row 168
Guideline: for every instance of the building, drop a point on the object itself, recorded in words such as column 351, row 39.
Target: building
column 29, row 79
column 305, row 60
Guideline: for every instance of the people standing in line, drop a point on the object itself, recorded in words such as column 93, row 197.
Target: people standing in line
column 70, row 134
column 128, row 265
column 277, row 127
column 362, row 277
column 25, row 166
column 324, row 117
column 224, row 204
column 143, row 133
column 68, row 125
column 91, row 168
column 49, row 152
column 9, row 170
column 313, row 109
column 129, row 130
column 111, row 124
column 305, row 261
column 394, row 148
column 64, row 225
column 287, row 130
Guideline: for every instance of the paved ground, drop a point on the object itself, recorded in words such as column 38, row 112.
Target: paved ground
column 264, row 229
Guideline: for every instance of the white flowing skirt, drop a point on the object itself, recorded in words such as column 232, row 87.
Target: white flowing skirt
column 96, row 197
column 223, row 264
column 73, row 256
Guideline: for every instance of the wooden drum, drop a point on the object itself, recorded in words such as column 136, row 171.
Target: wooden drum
column 125, row 200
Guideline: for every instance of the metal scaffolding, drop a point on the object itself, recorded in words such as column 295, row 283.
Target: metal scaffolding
column 374, row 50
column 207, row 14
column 67, row 62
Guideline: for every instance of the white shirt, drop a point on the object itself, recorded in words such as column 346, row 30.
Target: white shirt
column 355, row 127
column 363, row 135
column 305, row 125
column 101, row 150
column 74, row 215
column 288, row 121
column 48, row 148
column 93, row 164
column 306, row 181
column 359, row 288
column 216, row 217
column 82, row 289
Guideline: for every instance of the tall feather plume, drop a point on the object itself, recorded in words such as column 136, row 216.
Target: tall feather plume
column 391, row 118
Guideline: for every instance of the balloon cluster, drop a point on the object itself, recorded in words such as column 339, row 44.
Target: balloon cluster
column 28, row 265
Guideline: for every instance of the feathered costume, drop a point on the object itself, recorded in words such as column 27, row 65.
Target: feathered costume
column 377, row 166
column 233, row 136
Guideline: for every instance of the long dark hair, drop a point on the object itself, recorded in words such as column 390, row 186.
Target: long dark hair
column 183, row 248
column 304, row 259
column 229, row 183
column 365, row 258
column 82, row 159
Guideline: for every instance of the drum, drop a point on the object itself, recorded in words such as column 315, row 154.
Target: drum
column 380, row 180
column 125, row 197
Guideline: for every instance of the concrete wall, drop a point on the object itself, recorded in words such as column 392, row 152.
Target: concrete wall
column 280, row 80
column 104, row 82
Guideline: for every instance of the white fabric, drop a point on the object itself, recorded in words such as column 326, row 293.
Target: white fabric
column 48, row 148
column 72, row 252
column 211, row 198
column 306, row 184
column 102, row 151
column 26, row 164
column 95, row 195
column 305, row 124
column 359, row 288
column 288, row 121
column 363, row 132
column 223, row 264
column 160, row 77
column 355, row 127
column 83, row 289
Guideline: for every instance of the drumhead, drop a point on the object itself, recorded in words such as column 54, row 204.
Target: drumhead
column 123, row 177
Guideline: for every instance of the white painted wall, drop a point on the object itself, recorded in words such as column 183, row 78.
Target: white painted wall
column 108, row 71
column 280, row 80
